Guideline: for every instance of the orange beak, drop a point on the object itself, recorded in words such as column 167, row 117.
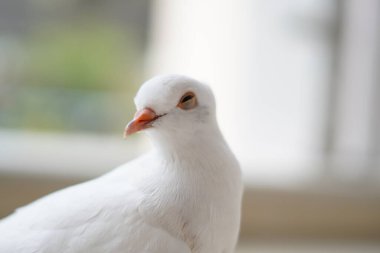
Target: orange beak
column 143, row 119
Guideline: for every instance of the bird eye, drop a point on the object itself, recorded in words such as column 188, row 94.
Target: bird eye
column 188, row 101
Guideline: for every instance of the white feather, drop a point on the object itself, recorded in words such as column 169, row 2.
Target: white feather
column 183, row 196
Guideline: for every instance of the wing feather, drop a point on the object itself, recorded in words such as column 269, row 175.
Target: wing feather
column 95, row 216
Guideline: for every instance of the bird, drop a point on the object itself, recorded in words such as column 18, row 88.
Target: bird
column 183, row 196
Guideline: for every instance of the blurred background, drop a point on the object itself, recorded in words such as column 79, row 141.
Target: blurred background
column 300, row 76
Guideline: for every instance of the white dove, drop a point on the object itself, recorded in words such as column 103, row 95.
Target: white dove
column 184, row 196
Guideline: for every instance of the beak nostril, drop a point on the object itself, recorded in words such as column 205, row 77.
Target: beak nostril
column 145, row 115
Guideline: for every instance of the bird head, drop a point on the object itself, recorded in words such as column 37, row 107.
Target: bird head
column 172, row 105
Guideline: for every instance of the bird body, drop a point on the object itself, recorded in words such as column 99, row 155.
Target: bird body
column 183, row 196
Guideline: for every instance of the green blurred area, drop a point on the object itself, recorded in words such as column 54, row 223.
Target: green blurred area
column 73, row 78
column 84, row 57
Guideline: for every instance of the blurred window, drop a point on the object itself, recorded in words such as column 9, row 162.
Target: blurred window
column 296, row 81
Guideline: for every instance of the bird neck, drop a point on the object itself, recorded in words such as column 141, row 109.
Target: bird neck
column 201, row 144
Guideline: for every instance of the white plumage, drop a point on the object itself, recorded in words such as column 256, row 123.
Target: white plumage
column 184, row 196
